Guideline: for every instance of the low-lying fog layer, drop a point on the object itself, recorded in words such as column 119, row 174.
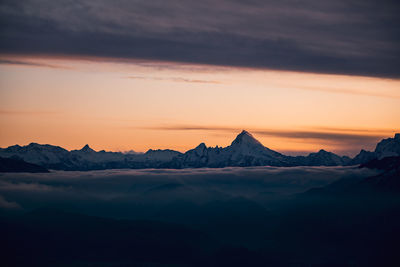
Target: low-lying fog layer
column 117, row 192
column 198, row 217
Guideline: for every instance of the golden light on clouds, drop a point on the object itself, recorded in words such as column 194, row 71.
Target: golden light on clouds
column 123, row 105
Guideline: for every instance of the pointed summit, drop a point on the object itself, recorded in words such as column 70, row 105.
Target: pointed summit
column 244, row 132
column 200, row 149
column 201, row 146
column 87, row 148
column 245, row 138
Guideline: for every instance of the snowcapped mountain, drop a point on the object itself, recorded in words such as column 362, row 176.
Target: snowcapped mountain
column 246, row 145
column 87, row 149
column 363, row 157
column 389, row 147
column 245, row 150
column 88, row 155
column 36, row 153
column 161, row 155
column 54, row 157
column 321, row 158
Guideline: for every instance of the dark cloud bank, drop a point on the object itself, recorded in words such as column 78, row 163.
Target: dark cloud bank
column 349, row 37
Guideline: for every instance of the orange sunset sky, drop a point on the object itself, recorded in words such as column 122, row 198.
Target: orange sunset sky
column 141, row 104
column 136, row 75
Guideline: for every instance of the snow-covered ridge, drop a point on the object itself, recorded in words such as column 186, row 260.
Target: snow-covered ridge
column 245, row 150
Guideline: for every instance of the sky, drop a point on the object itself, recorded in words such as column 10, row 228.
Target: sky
column 122, row 75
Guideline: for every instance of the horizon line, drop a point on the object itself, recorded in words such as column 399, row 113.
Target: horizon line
column 183, row 152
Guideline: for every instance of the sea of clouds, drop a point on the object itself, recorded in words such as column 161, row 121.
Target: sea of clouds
column 130, row 193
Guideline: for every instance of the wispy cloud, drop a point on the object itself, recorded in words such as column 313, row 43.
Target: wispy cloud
column 338, row 136
column 189, row 127
column 173, row 79
column 331, row 137
column 314, row 132
column 30, row 64
column 345, row 91
column 357, row 130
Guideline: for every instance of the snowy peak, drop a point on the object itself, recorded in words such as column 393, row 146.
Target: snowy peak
column 245, row 146
column 244, row 151
column 161, row 155
column 87, row 148
column 245, row 138
column 199, row 150
column 363, row 157
column 324, row 153
column 39, row 147
column 388, row 147
column 201, row 147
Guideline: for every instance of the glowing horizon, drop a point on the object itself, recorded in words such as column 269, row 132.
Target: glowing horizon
column 139, row 105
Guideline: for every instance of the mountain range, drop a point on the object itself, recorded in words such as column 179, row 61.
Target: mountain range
column 244, row 151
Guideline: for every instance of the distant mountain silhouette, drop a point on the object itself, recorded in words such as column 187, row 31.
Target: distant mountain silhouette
column 244, row 151
column 385, row 148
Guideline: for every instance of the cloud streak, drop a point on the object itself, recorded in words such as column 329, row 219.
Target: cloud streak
column 347, row 37
column 346, row 139
column 29, row 64
column 346, row 91
column 173, row 79
column 334, row 134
